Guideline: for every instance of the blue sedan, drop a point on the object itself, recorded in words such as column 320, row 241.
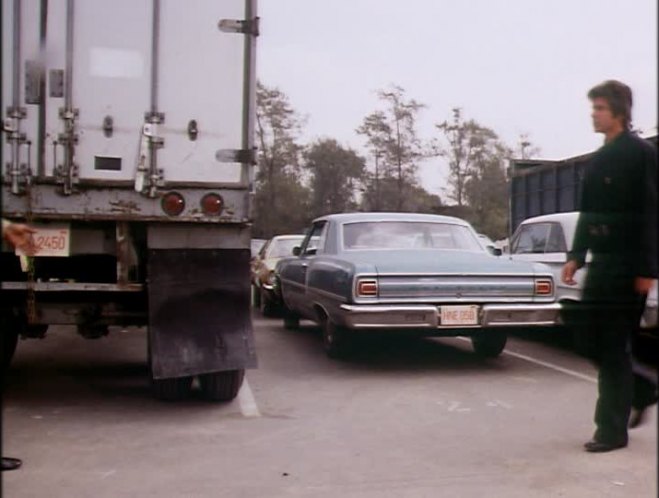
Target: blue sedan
column 420, row 273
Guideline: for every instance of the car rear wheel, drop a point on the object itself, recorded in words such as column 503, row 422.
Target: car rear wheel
column 221, row 386
column 335, row 340
column 291, row 319
column 489, row 343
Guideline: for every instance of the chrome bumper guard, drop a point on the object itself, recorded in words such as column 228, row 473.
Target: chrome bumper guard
column 427, row 316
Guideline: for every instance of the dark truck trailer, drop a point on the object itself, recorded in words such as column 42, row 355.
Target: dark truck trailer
column 540, row 187
column 128, row 144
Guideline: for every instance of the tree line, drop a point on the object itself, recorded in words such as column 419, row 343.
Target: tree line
column 295, row 183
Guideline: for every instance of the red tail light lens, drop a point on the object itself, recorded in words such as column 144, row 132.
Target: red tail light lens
column 172, row 203
column 367, row 288
column 212, row 204
column 544, row 287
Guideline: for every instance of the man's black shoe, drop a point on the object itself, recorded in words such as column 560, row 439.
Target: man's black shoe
column 11, row 463
column 601, row 447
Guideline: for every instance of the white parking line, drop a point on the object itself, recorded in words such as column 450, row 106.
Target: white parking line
column 558, row 368
column 247, row 402
column 546, row 364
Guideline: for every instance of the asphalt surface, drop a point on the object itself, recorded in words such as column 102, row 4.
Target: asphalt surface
column 400, row 418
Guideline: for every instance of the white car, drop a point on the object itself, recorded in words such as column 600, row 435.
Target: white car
column 547, row 239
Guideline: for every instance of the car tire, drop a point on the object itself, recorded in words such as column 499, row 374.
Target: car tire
column 291, row 319
column 335, row 340
column 489, row 343
column 221, row 386
column 267, row 307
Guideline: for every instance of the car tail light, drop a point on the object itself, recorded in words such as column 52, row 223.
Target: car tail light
column 212, row 204
column 544, row 287
column 367, row 288
column 172, row 203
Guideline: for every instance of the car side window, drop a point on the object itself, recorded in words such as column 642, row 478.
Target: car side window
column 314, row 239
column 532, row 238
column 556, row 240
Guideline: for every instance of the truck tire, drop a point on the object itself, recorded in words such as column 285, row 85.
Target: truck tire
column 174, row 389
column 489, row 343
column 221, row 386
column 335, row 340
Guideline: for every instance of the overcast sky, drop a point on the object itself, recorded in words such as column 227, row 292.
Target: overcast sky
column 516, row 66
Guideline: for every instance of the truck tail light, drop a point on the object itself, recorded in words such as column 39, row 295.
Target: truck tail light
column 212, row 204
column 172, row 203
column 544, row 287
column 367, row 287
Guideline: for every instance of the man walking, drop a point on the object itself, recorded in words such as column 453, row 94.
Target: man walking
column 618, row 224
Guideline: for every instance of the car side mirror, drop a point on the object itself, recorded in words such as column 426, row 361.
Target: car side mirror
column 494, row 250
column 296, row 251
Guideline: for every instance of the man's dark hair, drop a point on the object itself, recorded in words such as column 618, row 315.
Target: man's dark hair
column 618, row 96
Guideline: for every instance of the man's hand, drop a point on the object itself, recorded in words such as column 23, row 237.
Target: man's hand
column 567, row 274
column 20, row 236
column 642, row 285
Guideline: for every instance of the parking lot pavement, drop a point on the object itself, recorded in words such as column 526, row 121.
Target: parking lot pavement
column 400, row 418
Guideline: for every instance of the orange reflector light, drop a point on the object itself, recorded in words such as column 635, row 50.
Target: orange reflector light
column 544, row 287
column 212, row 204
column 172, row 203
column 367, row 288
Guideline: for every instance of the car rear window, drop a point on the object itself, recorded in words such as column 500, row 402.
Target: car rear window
column 408, row 235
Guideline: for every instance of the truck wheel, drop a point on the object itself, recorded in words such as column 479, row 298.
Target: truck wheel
column 9, row 328
column 335, row 340
column 221, row 386
column 489, row 343
column 171, row 389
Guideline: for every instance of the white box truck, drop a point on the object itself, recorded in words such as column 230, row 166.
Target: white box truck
column 128, row 143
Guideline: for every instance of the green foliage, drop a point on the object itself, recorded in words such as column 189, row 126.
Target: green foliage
column 382, row 195
column 477, row 173
column 392, row 136
column 281, row 201
column 335, row 173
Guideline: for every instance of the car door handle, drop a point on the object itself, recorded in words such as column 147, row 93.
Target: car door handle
column 304, row 265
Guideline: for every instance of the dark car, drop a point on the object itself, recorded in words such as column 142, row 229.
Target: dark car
column 420, row 273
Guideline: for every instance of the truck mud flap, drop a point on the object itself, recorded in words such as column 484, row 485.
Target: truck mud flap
column 199, row 311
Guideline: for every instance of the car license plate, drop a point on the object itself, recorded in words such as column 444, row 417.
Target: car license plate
column 51, row 241
column 458, row 315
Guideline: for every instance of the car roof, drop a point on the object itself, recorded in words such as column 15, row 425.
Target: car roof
column 389, row 216
column 567, row 216
column 288, row 237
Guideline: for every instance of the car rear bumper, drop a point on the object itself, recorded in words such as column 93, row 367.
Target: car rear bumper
column 421, row 316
